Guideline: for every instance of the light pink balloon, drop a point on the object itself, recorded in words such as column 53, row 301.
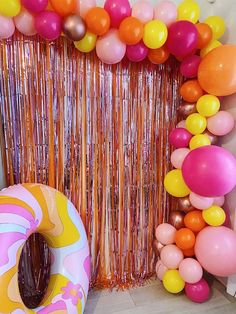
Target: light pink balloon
column 190, row 270
column 161, row 269
column 171, row 256
column 166, row 11
column 165, row 233
column 83, row 6
column 200, row 202
column 181, row 124
column 178, row 156
column 110, row 49
column 143, row 11
column 219, row 201
column 221, row 123
column 25, row 23
column 7, row 27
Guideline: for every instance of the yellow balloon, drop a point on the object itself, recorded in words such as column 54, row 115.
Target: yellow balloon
column 199, row 140
column 212, row 45
column 175, row 185
column 86, row 44
column 189, row 11
column 217, row 24
column 173, row 282
column 155, row 34
column 10, row 7
column 196, row 123
column 208, row 105
column 214, row 216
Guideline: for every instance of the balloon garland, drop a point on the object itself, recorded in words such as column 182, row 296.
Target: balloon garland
column 195, row 238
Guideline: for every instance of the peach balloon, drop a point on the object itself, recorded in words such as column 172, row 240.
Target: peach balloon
column 7, row 28
column 178, row 156
column 200, row 202
column 165, row 233
column 25, row 23
column 171, row 256
column 143, row 11
column 83, row 6
column 161, row 269
column 221, row 123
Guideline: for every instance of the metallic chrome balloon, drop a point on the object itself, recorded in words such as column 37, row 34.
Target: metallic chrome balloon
column 213, row 138
column 74, row 27
column 185, row 205
column 157, row 247
column 185, row 109
column 176, row 219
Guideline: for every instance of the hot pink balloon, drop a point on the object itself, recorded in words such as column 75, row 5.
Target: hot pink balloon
column 118, row 10
column 200, row 202
column 35, row 6
column 110, row 49
column 166, row 11
column 219, row 201
column 178, row 156
column 190, row 270
column 7, row 28
column 210, row 171
column 161, row 269
column 49, row 25
column 25, row 23
column 181, row 124
column 83, row 6
column 136, row 53
column 221, row 123
column 171, row 256
column 143, row 11
column 198, row 292
column 165, row 233
column 180, row 137
column 189, row 66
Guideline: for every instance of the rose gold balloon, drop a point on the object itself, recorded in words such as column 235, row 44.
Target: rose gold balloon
column 185, row 109
column 176, row 219
column 74, row 27
column 157, row 247
column 213, row 138
column 184, row 204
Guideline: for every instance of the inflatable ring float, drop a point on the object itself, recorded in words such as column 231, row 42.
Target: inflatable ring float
column 29, row 208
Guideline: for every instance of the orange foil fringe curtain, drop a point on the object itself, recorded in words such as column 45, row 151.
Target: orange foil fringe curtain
column 99, row 134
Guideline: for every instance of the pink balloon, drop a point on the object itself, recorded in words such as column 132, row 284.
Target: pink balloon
column 198, row 292
column 189, row 67
column 161, row 269
column 35, row 6
column 49, row 25
column 219, row 201
column 171, row 256
column 25, row 23
column 118, row 10
column 110, row 49
column 221, row 123
column 136, row 53
column 180, row 137
column 181, row 124
column 7, row 28
column 190, row 270
column 182, row 39
column 83, row 6
column 215, row 250
column 165, row 233
column 166, row 11
column 178, row 156
column 210, row 171
column 200, row 202
column 143, row 11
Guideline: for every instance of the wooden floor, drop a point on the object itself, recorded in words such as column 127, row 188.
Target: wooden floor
column 152, row 299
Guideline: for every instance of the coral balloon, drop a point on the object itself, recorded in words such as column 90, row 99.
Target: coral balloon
column 143, row 11
column 211, row 46
column 194, row 221
column 185, row 239
column 87, row 43
column 7, row 28
column 98, row 21
column 189, row 67
column 165, row 233
column 217, row 71
column 190, row 270
column 74, row 27
column 131, row 30
column 191, row 91
column 155, row 34
column 214, row 216
column 137, row 53
column 199, row 140
column 25, row 23
column 217, row 24
column 166, row 11
column 185, row 109
column 204, row 35
column 196, row 123
column 198, row 292
column 208, row 105
column 83, row 6
column 171, row 256
column 200, row 202
column 158, row 56
column 176, row 219
column 9, row 8
column 161, row 269
column 175, row 185
column 189, row 11
column 221, row 123
column 49, row 25
column 180, row 137
column 35, row 6
column 215, row 250
column 173, row 282
column 64, row 7
column 178, row 156
column 210, row 171
column 118, row 11
column 185, row 205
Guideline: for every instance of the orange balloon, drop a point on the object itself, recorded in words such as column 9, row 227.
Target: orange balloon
column 98, row 21
column 204, row 35
column 185, row 239
column 194, row 221
column 131, row 30
column 64, row 7
column 189, row 252
column 158, row 56
column 217, row 71
column 191, row 91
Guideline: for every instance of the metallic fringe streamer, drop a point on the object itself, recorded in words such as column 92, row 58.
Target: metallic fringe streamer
column 99, row 134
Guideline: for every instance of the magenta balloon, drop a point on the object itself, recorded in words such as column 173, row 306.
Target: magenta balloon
column 35, row 6
column 189, row 67
column 182, row 38
column 49, row 25
column 118, row 10
column 198, row 292
column 210, row 171
column 215, row 250
column 136, row 53
column 180, row 137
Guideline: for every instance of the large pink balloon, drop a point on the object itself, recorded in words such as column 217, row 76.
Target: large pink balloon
column 221, row 123
column 166, row 11
column 215, row 250
column 210, row 171
column 171, row 256
column 165, row 233
column 143, row 11
column 7, row 28
column 190, row 270
column 118, row 11
column 25, row 23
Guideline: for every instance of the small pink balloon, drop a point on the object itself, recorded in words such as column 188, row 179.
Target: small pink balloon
column 189, row 66
column 83, row 6
column 166, row 11
column 180, row 137
column 118, row 10
column 7, row 28
column 143, row 11
column 221, row 123
column 49, row 25
column 171, row 256
column 165, row 233
column 190, row 270
column 161, row 269
column 25, row 23
column 181, row 124
column 219, row 201
column 35, row 6
column 198, row 292
column 200, row 202
column 136, row 53
column 110, row 49
column 178, row 156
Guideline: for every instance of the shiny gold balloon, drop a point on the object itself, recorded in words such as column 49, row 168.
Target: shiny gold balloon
column 157, row 247
column 213, row 138
column 74, row 27
column 184, row 204
column 185, row 109
column 176, row 219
